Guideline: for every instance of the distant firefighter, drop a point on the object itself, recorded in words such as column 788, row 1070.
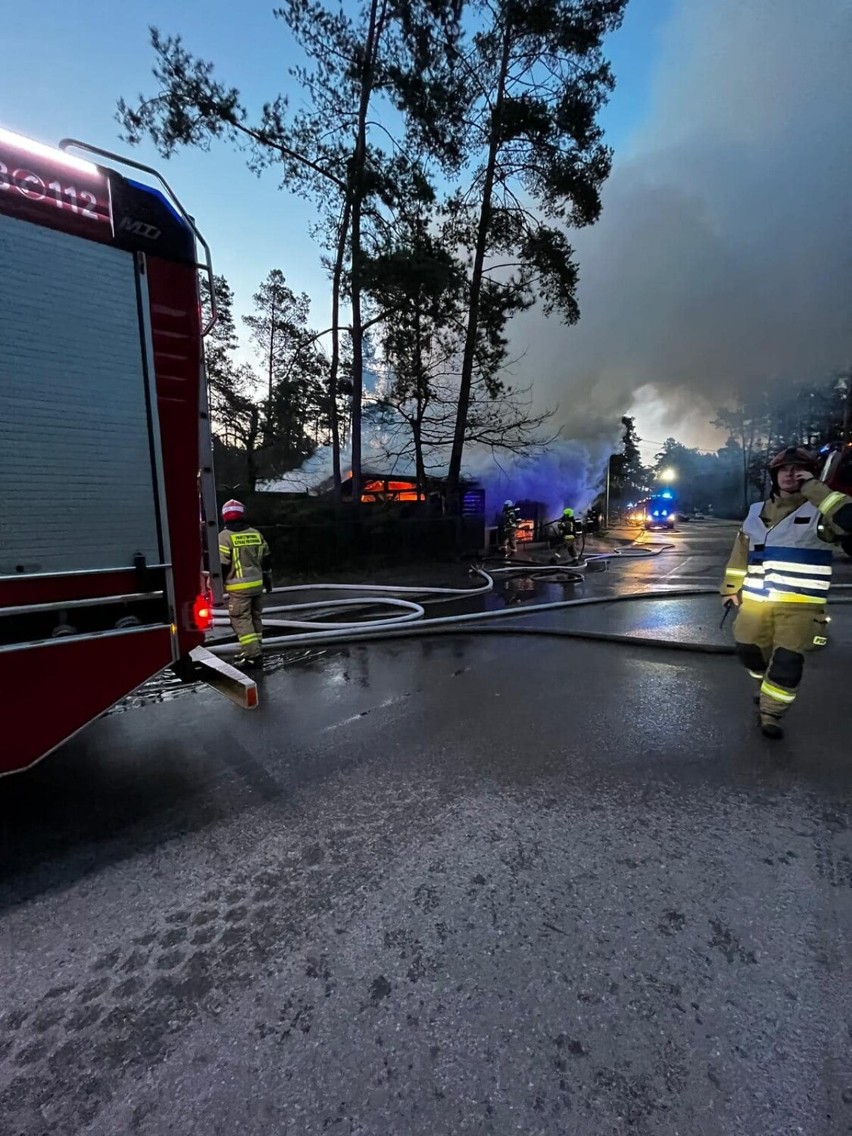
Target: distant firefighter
column 507, row 528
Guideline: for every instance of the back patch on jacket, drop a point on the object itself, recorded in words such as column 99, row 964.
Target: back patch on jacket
column 244, row 540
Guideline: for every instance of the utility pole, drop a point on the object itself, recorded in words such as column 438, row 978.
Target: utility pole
column 606, row 499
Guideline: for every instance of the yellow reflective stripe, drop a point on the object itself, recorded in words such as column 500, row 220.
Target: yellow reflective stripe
column 224, row 549
column 244, row 586
column 830, row 501
column 252, row 638
column 777, row 693
column 774, row 596
column 735, row 571
column 788, row 597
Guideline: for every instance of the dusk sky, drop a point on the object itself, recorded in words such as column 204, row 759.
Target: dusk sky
column 66, row 65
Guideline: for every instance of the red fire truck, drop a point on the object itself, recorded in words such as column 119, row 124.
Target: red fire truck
column 106, row 489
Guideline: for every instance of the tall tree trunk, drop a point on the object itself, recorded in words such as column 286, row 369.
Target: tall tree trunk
column 419, row 464
column 270, row 373
column 356, row 184
column 357, row 354
column 466, row 381
column 417, row 422
column 251, row 444
column 334, row 369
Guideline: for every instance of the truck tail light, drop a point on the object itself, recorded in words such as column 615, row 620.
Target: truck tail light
column 202, row 611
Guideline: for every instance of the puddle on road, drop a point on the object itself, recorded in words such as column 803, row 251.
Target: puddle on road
column 687, row 619
column 521, row 586
column 508, row 591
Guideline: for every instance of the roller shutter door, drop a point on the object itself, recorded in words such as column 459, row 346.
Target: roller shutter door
column 77, row 484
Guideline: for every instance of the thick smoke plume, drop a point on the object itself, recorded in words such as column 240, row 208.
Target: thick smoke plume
column 571, row 473
column 723, row 257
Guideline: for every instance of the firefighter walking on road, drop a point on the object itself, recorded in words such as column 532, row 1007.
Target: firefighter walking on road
column 507, row 528
column 566, row 529
column 778, row 578
column 245, row 561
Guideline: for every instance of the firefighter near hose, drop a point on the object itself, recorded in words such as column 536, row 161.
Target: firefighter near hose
column 566, row 533
column 245, row 559
column 507, row 528
column 778, row 577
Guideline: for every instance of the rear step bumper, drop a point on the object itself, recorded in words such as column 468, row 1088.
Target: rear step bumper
column 227, row 680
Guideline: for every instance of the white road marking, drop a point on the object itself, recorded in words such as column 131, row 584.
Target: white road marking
column 677, row 568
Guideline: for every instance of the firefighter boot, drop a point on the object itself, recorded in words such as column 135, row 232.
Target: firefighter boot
column 770, row 726
column 778, row 689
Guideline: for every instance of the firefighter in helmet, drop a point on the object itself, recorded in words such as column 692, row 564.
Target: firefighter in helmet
column 566, row 529
column 507, row 528
column 778, row 578
column 246, row 561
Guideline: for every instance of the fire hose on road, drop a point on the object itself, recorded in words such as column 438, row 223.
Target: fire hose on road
column 410, row 619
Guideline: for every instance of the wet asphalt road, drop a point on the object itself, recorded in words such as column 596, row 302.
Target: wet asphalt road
column 465, row 885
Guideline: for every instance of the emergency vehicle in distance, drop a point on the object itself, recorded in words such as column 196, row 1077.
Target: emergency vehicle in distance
column 657, row 512
column 105, row 459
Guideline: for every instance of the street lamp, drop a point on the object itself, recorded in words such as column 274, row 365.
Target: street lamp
column 668, row 475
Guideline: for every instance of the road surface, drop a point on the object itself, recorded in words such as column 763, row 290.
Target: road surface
column 481, row 885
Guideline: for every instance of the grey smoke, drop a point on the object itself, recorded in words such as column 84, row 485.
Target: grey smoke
column 723, row 256
column 570, row 473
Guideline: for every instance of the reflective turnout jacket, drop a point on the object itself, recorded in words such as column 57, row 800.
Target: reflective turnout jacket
column 245, row 557
column 783, row 552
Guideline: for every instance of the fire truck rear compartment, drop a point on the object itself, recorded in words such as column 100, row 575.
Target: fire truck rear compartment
column 73, row 499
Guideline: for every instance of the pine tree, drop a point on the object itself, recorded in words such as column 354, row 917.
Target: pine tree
column 536, row 79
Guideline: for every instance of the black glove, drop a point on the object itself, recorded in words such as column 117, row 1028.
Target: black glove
column 267, row 581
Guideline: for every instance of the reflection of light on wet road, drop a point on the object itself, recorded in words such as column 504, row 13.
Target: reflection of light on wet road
column 694, row 558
